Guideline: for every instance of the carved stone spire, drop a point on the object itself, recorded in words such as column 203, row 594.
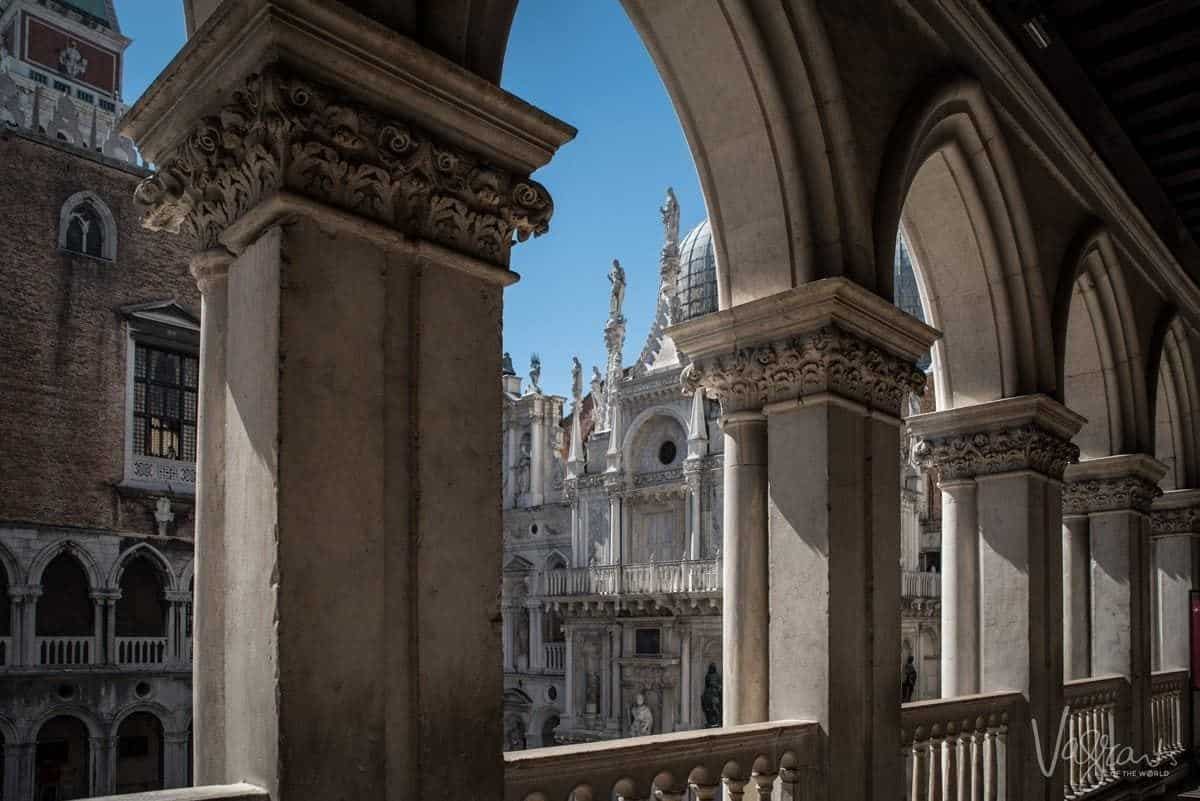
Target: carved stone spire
column 575, row 461
column 669, row 261
column 613, row 457
column 614, row 342
column 698, row 427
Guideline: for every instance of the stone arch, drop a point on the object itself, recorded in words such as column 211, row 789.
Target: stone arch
column 155, row 556
column 93, row 725
column 775, row 158
column 556, row 559
column 186, row 576
column 1101, row 372
column 8, row 731
column 77, row 550
column 1174, row 399
column 143, row 770
column 10, row 566
column 103, row 215
column 635, row 427
column 538, row 718
column 949, row 182
column 166, row 718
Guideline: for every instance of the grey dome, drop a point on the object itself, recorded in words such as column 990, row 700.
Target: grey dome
column 697, row 287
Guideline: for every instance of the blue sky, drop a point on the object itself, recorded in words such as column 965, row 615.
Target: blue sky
column 582, row 61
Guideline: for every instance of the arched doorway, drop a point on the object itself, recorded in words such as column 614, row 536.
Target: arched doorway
column 62, row 762
column 141, row 624
column 139, row 754
column 65, row 618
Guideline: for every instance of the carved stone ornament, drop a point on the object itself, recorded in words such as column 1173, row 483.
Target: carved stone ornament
column 1185, row 520
column 1109, row 495
column 1024, row 447
column 826, row 360
column 284, row 133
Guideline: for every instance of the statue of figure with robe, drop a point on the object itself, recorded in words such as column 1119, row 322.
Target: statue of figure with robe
column 535, row 374
column 576, row 379
column 710, row 699
column 616, row 277
column 641, row 718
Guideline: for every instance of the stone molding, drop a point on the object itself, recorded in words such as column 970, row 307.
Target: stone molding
column 981, row 453
column 1176, row 512
column 827, row 360
column 280, row 132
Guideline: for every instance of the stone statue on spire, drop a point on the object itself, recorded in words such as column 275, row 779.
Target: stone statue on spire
column 576, row 380
column 670, row 219
column 535, row 374
column 616, row 277
column 669, row 261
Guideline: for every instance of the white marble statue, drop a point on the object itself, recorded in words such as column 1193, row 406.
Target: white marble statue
column 163, row 515
column 641, row 718
column 616, row 277
column 576, row 379
column 535, row 374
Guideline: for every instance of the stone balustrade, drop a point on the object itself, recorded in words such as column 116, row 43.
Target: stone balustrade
column 651, row 578
column 1093, row 719
column 1168, row 729
column 135, row 651
column 958, row 749
column 207, row 792
column 777, row 758
column 917, row 584
column 556, row 657
column 66, row 650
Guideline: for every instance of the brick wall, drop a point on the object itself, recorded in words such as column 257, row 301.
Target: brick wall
column 63, row 339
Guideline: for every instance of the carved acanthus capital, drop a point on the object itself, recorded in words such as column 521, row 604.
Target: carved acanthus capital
column 1184, row 520
column 826, row 360
column 1022, row 447
column 284, row 133
column 1109, row 495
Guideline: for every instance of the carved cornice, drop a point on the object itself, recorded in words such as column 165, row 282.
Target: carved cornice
column 281, row 132
column 826, row 360
column 1109, row 495
column 1022, row 447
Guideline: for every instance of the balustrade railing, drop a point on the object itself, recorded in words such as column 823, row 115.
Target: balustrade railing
column 1093, row 707
column 778, row 759
column 141, row 650
column 958, row 749
column 1168, row 692
column 653, row 578
column 66, row 650
column 915, row 584
column 556, row 657
column 6, row 645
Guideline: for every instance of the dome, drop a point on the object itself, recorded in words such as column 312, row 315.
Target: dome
column 697, row 286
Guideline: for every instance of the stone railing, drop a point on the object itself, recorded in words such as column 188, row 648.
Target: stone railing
column 1093, row 707
column 916, row 584
column 1168, row 729
column 651, row 578
column 6, row 652
column 141, row 650
column 556, row 657
column 778, row 759
column 958, row 749
column 206, row 792
column 66, row 650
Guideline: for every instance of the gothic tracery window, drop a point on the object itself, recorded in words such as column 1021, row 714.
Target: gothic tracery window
column 85, row 231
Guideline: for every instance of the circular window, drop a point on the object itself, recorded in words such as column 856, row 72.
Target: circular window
column 552, row 693
column 533, row 529
column 142, row 689
column 666, row 452
column 66, row 692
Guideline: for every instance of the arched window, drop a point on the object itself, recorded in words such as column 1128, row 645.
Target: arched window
column 62, row 760
column 139, row 754
column 64, row 608
column 141, row 610
column 86, row 226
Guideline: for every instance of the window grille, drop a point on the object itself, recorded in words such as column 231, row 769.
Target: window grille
column 38, row 77
column 62, row 87
column 86, row 97
column 164, row 403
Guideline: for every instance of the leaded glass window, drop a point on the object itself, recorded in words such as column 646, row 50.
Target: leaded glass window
column 164, row 403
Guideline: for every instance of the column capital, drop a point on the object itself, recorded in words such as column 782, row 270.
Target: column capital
column 827, row 337
column 1126, row 482
column 209, row 267
column 1176, row 512
column 308, row 99
column 1029, row 432
column 24, row 592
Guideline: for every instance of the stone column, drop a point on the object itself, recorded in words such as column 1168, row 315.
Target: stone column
column 569, row 675
column 102, row 758
column 686, row 690
column 537, row 465
column 1116, row 492
column 370, row 196
column 14, row 786
column 508, row 637
column 26, row 778
column 746, row 622
column 1077, row 598
column 24, row 599
column 811, row 383
column 175, row 756
column 1175, row 529
column 110, row 627
column 101, row 653
column 537, row 651
column 1015, row 449
column 960, row 588
column 615, row 713
column 510, row 484
column 691, row 472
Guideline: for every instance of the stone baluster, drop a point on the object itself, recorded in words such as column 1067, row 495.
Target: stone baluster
column 811, row 382
column 369, row 198
column 1116, row 493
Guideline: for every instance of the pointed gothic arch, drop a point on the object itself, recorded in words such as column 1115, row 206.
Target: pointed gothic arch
column 949, row 182
column 1174, row 398
column 153, row 555
column 86, row 225
column 66, row 545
